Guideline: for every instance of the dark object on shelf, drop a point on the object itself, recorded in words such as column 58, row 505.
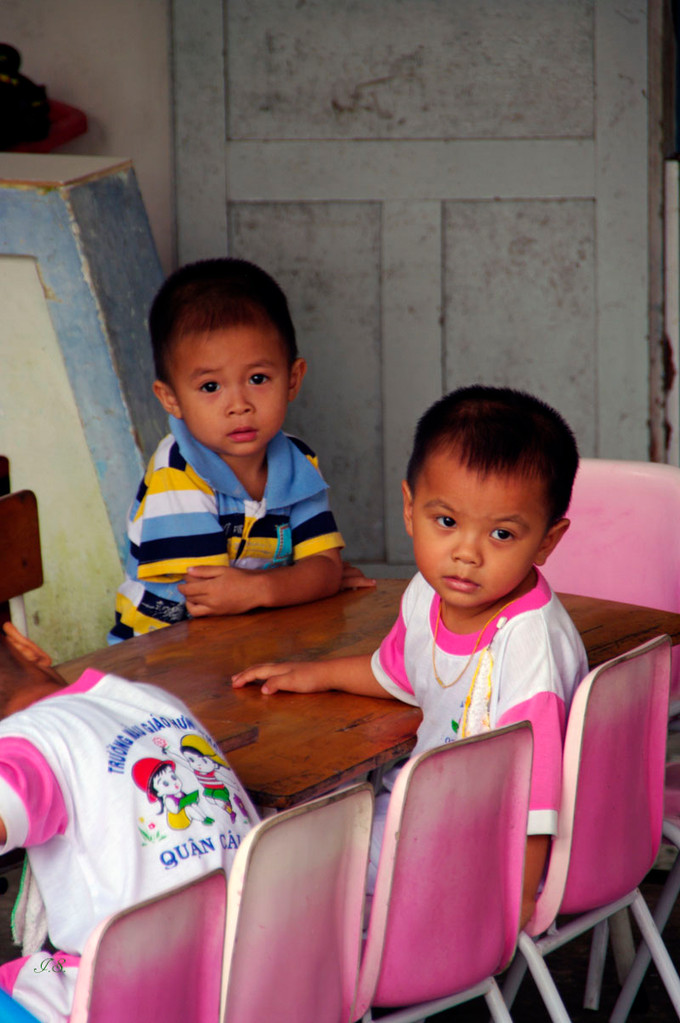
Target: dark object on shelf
column 24, row 108
column 66, row 123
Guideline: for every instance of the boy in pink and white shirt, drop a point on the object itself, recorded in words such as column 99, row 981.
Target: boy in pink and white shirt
column 528, row 662
column 94, row 784
column 480, row 641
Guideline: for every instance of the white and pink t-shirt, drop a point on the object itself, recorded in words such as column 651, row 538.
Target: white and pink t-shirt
column 525, row 667
column 94, row 784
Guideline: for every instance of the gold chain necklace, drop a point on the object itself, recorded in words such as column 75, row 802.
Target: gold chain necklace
column 447, row 685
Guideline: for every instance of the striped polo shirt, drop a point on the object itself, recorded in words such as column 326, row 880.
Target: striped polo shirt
column 191, row 510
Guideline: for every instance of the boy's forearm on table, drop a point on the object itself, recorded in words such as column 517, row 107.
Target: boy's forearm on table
column 351, row 675
column 346, row 674
column 307, row 579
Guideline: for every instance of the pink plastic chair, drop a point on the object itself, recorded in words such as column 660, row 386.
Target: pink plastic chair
column 159, row 960
column 623, row 542
column 666, row 901
column 448, row 891
column 295, row 911
column 610, row 817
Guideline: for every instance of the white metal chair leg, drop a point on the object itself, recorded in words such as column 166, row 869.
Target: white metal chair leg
column 664, row 906
column 513, row 979
column 544, row 982
column 496, row 1003
column 662, row 959
column 598, row 954
column 623, row 946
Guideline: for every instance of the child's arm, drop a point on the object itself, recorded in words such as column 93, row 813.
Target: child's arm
column 354, row 579
column 537, row 850
column 219, row 591
column 348, row 674
column 24, row 646
column 36, row 676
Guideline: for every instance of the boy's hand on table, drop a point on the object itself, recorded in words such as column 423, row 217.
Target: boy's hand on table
column 288, row 676
column 354, row 579
column 345, row 674
column 228, row 590
column 218, row 590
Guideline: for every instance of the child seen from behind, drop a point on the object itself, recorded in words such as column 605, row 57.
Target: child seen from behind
column 232, row 513
column 118, row 794
column 481, row 641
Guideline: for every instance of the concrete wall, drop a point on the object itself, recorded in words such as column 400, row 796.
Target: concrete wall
column 78, row 269
column 41, row 432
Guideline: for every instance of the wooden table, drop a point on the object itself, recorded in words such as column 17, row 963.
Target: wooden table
column 309, row 744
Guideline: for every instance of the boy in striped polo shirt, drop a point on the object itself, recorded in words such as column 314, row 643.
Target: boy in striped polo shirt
column 232, row 513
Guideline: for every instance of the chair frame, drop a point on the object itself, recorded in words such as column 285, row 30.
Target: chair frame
column 587, row 560
column 317, row 854
column 192, row 918
column 662, row 911
column 460, row 765
column 542, row 935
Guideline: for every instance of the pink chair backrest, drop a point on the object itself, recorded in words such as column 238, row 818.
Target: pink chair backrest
column 447, row 900
column 295, row 911
column 623, row 542
column 609, row 826
column 159, row 960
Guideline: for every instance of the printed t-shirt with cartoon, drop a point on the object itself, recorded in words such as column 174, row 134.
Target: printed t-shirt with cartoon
column 96, row 782
column 525, row 667
column 191, row 510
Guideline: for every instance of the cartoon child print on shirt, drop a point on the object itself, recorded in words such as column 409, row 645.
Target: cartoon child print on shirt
column 160, row 781
column 210, row 770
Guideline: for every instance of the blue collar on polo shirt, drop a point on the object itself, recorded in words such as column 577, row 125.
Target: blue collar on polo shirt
column 291, row 477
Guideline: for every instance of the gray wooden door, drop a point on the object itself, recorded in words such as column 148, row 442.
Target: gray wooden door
column 448, row 190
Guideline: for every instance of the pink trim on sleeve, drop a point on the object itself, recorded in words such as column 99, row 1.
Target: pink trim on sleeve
column 546, row 712
column 88, row 680
column 25, row 770
column 391, row 654
column 9, row 973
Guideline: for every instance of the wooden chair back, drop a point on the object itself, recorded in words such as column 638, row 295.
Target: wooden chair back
column 4, row 475
column 20, row 557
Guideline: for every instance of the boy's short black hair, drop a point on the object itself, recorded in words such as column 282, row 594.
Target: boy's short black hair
column 500, row 430
column 214, row 294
